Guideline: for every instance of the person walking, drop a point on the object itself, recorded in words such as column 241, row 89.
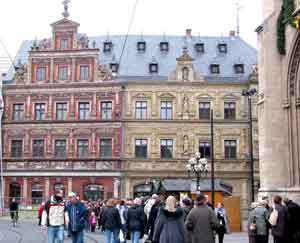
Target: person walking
column 293, row 210
column 55, row 217
column 152, row 217
column 186, row 205
column 252, row 223
column 136, row 221
column 14, row 209
column 169, row 226
column 202, row 221
column 77, row 214
column 93, row 221
column 111, row 222
column 279, row 230
column 261, row 215
column 40, row 212
column 223, row 220
column 123, row 210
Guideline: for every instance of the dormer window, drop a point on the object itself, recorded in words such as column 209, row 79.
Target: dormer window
column 214, row 68
column 107, row 46
column 164, row 46
column 222, row 48
column 239, row 68
column 64, row 44
column 199, row 47
column 141, row 46
column 153, row 68
column 114, row 67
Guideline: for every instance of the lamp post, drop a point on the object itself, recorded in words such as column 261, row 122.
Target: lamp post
column 197, row 165
column 249, row 93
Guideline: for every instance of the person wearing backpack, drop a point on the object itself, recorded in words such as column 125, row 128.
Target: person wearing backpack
column 279, row 220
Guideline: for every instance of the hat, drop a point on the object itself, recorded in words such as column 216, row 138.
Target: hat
column 72, row 194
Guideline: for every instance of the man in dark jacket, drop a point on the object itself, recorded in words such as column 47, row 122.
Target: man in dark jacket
column 279, row 231
column 293, row 226
column 77, row 213
column 152, row 217
column 136, row 221
column 13, row 208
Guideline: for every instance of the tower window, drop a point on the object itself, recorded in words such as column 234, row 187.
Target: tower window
column 107, row 46
column 153, row 68
column 239, row 68
column 164, row 46
column 141, row 46
column 199, row 47
column 222, row 48
column 214, row 68
column 114, row 67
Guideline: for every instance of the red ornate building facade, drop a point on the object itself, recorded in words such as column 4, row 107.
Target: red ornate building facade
column 62, row 124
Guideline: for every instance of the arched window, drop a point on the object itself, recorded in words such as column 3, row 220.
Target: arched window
column 37, row 194
column 93, row 192
column 15, row 191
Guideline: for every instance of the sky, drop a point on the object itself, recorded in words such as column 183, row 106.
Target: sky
column 29, row 19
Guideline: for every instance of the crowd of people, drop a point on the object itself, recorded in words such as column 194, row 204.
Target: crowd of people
column 281, row 219
column 155, row 219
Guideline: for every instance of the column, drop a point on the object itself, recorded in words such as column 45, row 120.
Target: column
column 24, row 192
column 73, row 71
column 116, row 187
column 94, row 106
column 51, row 70
column 153, row 103
column 28, row 108
column 47, row 188
column 70, row 185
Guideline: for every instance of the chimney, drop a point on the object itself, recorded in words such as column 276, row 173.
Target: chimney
column 232, row 33
column 188, row 33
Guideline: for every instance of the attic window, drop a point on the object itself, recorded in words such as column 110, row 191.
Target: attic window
column 107, row 46
column 153, row 68
column 222, row 48
column 141, row 46
column 164, row 46
column 214, row 68
column 199, row 47
column 239, row 68
column 114, row 67
column 64, row 44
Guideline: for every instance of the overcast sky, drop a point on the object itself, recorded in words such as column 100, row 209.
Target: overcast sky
column 27, row 19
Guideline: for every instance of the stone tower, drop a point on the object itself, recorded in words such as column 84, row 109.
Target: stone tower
column 278, row 105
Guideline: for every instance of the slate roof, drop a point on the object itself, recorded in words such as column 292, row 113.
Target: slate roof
column 135, row 65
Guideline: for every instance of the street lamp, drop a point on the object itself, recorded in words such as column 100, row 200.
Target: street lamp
column 198, row 166
column 249, row 93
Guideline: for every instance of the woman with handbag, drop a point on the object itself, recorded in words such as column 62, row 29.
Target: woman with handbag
column 223, row 220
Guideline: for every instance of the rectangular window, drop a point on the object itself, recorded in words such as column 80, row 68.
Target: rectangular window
column 84, row 110
column 204, row 110
column 166, row 148
column 141, row 110
column 64, row 44
column 18, row 112
column 38, row 148
column 40, row 111
column 63, row 73
column 166, row 110
column 82, row 148
column 106, row 148
column 229, row 110
column 222, row 48
column 106, row 110
column 230, row 149
column 141, row 148
column 60, row 148
column 215, row 69
column 84, row 73
column 204, row 149
column 61, row 111
column 41, row 73
column 239, row 68
column 16, row 148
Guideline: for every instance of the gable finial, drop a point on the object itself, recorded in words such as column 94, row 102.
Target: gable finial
column 66, row 13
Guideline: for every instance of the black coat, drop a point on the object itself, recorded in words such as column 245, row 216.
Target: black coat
column 169, row 227
column 111, row 219
column 279, row 230
column 151, row 220
column 136, row 219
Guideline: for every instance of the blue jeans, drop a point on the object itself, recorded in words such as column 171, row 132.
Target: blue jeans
column 109, row 234
column 56, row 234
column 77, row 236
column 135, row 236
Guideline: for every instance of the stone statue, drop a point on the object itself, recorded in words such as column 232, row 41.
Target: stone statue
column 66, row 13
column 185, row 144
column 185, row 105
column 21, row 70
column 185, row 74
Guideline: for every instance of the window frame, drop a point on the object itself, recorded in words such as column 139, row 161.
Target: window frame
column 83, row 149
column 223, row 48
column 141, row 112
column 239, row 68
column 215, row 68
column 141, row 46
column 86, row 111
column 40, row 77
column 64, row 46
column 166, row 110
column 164, row 46
column 164, row 151
column 153, row 68
column 107, row 46
column 104, row 147
column 206, row 114
column 106, row 110
column 230, row 112
column 142, row 144
column 61, row 76
column 64, row 110
column 40, row 116
column 57, row 149
column 230, row 151
column 206, row 145
column 15, row 151
column 38, row 150
column 200, row 48
column 20, row 112
column 86, row 75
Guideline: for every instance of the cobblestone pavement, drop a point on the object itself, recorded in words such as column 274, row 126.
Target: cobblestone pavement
column 28, row 232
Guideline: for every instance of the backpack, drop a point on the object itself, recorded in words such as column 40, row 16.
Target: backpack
column 273, row 217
